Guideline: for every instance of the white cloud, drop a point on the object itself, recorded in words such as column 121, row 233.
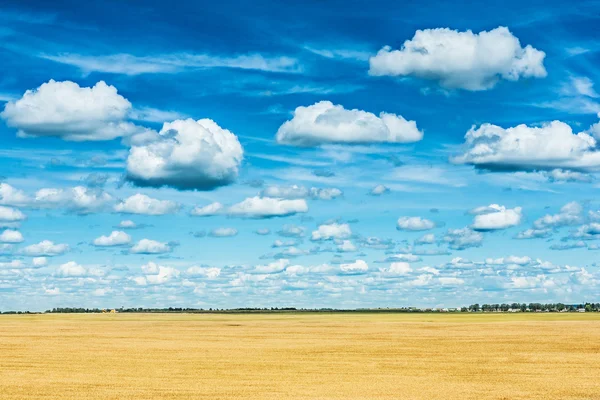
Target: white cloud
column 223, row 232
column 78, row 199
column 127, row 224
column 325, row 193
column 285, row 192
column 460, row 239
column 142, row 204
column 209, row 272
column 414, row 224
column 332, row 231
column 534, row 234
column 266, row 207
column 71, row 270
column 39, row 261
column 148, row 246
column 428, row 238
column 570, row 214
column 550, row 146
column 66, row 110
column 156, row 274
column 129, row 64
column 379, row 190
column 186, row 154
column 398, row 268
column 272, row 268
column 463, row 60
column 45, row 248
column 357, row 266
column 116, row 238
column 207, row 211
column 324, row 122
column 346, row 246
column 451, row 280
column 11, row 196
column 11, row 236
column 8, row 214
column 498, row 217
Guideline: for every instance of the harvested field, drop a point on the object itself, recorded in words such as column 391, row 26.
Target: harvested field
column 300, row 356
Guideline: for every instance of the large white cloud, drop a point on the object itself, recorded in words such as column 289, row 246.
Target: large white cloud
column 66, row 110
column 208, row 210
column 142, row 204
column 552, row 145
column 11, row 196
column 116, row 238
column 414, row 224
column 497, row 217
column 464, row 60
column 324, row 122
column 45, row 248
column 186, row 154
column 267, row 207
column 570, row 214
column 332, row 231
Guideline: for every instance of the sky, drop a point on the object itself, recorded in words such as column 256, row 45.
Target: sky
column 312, row 154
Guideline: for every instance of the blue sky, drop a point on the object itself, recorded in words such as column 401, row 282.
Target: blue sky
column 337, row 154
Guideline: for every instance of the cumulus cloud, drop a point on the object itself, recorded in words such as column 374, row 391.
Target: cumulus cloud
column 285, row 192
column 570, row 214
column 11, row 196
column 156, row 274
column 534, row 234
column 148, row 246
column 207, row 211
column 291, row 230
column 142, row 204
column 11, row 236
column 68, row 111
column 116, row 238
column 208, row 272
column 78, row 199
column 356, row 267
column 272, row 268
column 414, row 224
column 497, row 217
column 324, row 122
column 551, row 146
column 73, row 270
column 267, row 207
column 332, row 231
column 397, row 268
column 127, row 224
column 379, row 190
column 428, row 238
column 460, row 239
column 11, row 215
column 186, row 154
column 325, row 193
column 223, row 232
column 461, row 60
column 346, row 246
column 45, row 248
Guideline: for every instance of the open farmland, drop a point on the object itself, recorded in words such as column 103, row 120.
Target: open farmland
column 300, row 356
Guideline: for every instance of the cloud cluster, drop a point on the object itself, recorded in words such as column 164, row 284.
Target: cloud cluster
column 332, row 231
column 414, row 224
column 462, row 60
column 116, row 238
column 324, row 122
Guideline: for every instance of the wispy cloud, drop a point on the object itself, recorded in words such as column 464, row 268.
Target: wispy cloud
column 129, row 64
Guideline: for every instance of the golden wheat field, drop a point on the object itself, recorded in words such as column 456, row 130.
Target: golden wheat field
column 300, row 356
